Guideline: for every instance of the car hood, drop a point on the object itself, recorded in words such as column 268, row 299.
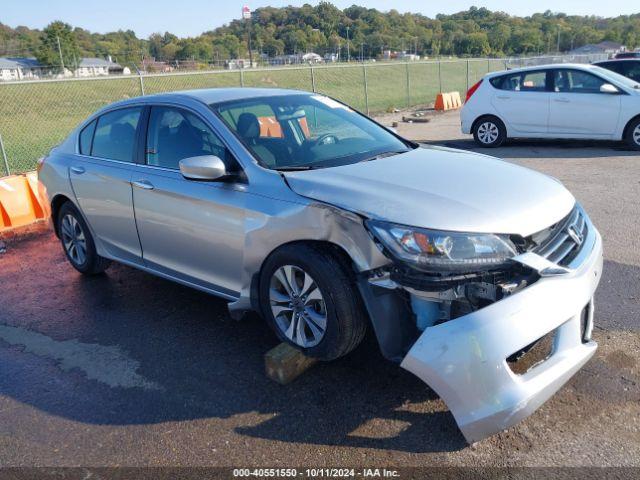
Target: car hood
column 443, row 189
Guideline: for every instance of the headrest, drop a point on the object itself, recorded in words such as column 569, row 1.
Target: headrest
column 248, row 126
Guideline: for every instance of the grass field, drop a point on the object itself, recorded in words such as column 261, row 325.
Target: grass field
column 35, row 116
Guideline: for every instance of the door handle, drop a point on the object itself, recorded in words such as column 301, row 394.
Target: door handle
column 144, row 184
column 562, row 100
column 77, row 170
column 504, row 97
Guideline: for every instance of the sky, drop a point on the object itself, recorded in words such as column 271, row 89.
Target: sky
column 191, row 17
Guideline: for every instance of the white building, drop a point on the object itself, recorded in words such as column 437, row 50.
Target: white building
column 96, row 67
column 19, row 69
column 311, row 58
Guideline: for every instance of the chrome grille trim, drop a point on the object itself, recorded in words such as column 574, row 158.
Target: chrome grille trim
column 569, row 238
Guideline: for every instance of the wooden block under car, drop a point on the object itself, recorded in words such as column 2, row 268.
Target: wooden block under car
column 284, row 363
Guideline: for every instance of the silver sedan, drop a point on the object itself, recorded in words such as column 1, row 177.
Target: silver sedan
column 475, row 274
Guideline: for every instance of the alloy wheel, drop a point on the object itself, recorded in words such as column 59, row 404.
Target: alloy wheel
column 636, row 135
column 488, row 132
column 73, row 238
column 298, row 306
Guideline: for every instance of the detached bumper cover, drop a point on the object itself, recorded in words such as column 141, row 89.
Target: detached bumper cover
column 464, row 360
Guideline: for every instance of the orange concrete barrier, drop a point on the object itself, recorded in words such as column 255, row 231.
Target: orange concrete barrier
column 443, row 101
column 455, row 99
column 19, row 203
column 448, row 101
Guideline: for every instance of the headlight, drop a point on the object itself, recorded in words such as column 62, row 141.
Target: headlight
column 438, row 250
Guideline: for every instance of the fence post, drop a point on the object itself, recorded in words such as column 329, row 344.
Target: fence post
column 440, row 76
column 408, row 87
column 4, row 156
column 140, row 78
column 313, row 81
column 242, row 77
column 366, row 89
column 467, row 74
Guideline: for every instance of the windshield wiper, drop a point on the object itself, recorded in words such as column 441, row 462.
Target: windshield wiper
column 295, row 168
column 383, row 155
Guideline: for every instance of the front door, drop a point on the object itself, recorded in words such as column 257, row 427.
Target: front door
column 578, row 108
column 191, row 230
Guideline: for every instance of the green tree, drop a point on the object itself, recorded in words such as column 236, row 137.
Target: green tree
column 58, row 40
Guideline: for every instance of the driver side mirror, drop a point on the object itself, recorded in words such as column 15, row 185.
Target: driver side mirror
column 204, row 167
column 608, row 88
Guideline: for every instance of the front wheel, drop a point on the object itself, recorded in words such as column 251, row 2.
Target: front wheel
column 489, row 132
column 310, row 301
column 633, row 135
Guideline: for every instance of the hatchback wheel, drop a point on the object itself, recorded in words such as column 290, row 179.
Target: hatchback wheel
column 633, row 135
column 77, row 241
column 489, row 132
column 310, row 301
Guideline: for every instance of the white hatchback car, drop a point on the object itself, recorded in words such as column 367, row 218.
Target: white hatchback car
column 553, row 101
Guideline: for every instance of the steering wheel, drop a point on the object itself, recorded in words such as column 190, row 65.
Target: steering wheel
column 326, row 139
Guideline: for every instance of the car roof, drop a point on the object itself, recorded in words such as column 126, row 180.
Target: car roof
column 617, row 60
column 211, row 95
column 578, row 66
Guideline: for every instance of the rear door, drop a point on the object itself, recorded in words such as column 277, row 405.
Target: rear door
column 100, row 176
column 190, row 230
column 522, row 100
column 579, row 109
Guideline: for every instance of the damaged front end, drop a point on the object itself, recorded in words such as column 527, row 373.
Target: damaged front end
column 494, row 324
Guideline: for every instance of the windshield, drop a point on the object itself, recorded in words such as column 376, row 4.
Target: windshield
column 291, row 132
column 625, row 81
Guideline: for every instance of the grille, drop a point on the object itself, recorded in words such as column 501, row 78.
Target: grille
column 565, row 239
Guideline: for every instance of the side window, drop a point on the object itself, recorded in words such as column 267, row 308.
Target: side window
column 115, row 134
column 535, row 81
column 175, row 134
column 577, row 81
column 86, row 138
column 632, row 70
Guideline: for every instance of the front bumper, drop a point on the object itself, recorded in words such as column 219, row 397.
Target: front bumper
column 464, row 360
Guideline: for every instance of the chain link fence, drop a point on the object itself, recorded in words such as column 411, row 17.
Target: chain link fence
column 35, row 115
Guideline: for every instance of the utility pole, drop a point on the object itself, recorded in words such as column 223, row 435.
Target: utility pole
column 348, row 47
column 246, row 14
column 60, row 53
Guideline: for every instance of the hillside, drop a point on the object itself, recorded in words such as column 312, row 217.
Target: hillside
column 325, row 28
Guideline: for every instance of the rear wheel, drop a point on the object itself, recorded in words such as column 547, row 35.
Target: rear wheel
column 633, row 134
column 489, row 132
column 77, row 241
column 310, row 301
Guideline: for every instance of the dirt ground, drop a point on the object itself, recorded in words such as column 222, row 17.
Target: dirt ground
column 126, row 369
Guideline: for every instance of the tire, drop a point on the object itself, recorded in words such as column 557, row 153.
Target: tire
column 489, row 132
column 77, row 242
column 632, row 136
column 330, row 294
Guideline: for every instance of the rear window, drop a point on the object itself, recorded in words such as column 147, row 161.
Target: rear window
column 534, row 81
column 86, row 138
column 115, row 134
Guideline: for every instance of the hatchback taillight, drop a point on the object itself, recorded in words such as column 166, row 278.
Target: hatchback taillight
column 472, row 90
column 40, row 163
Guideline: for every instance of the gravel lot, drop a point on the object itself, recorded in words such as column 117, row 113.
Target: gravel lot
column 129, row 369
